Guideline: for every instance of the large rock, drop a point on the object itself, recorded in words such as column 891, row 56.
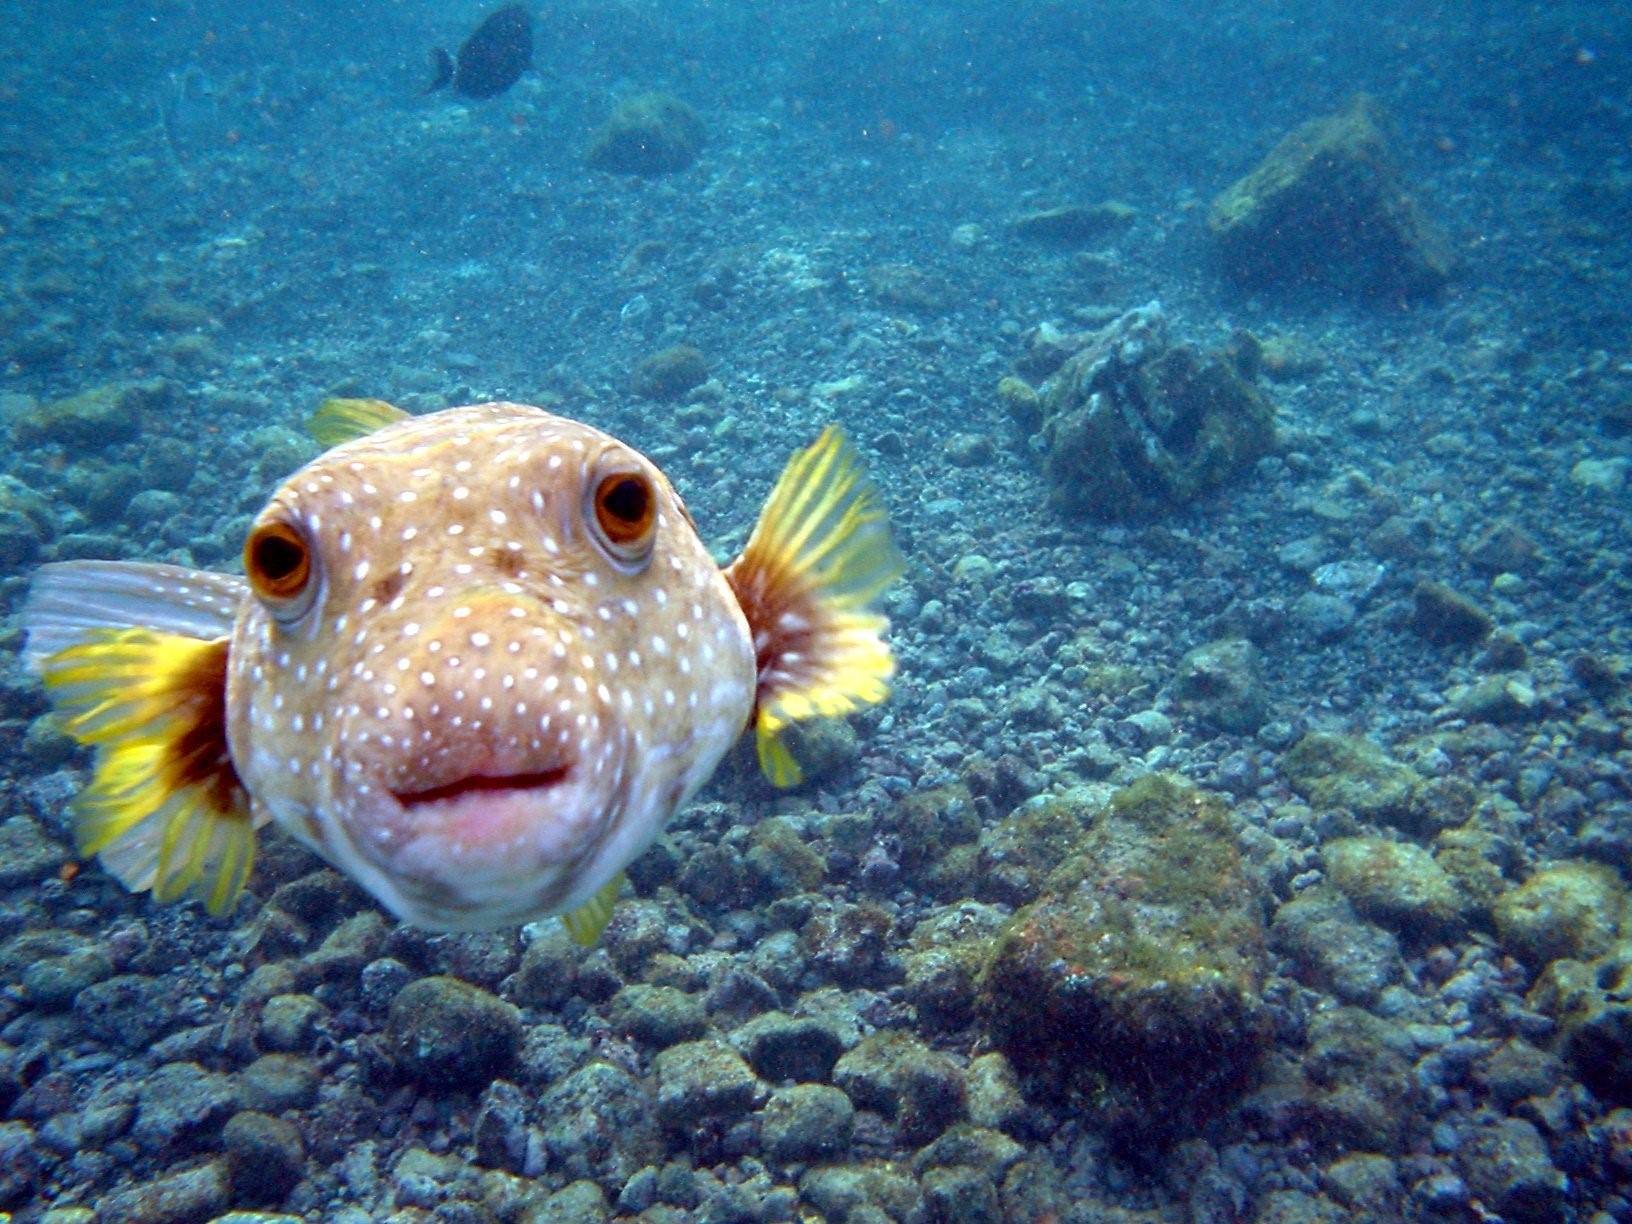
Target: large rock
column 1134, row 980
column 1327, row 205
column 445, row 1032
column 648, row 134
column 1135, row 425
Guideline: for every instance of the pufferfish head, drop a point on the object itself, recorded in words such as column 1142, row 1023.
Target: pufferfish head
column 486, row 655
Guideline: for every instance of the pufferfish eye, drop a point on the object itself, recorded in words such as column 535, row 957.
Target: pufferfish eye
column 278, row 563
column 623, row 517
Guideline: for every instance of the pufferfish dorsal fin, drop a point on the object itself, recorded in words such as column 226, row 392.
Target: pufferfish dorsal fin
column 134, row 658
column 340, row 420
column 586, row 923
column 820, row 553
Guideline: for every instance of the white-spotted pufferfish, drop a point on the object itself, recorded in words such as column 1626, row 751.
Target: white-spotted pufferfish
column 477, row 660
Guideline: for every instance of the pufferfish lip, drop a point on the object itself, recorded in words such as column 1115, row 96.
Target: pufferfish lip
column 474, row 784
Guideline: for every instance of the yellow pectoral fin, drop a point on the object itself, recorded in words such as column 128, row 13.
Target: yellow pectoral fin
column 819, row 554
column 340, row 420
column 586, row 923
column 164, row 809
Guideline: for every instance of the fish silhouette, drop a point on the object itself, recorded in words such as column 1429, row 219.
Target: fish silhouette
column 492, row 59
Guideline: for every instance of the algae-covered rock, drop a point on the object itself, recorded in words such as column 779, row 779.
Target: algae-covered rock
column 443, row 1031
column 1134, row 980
column 1017, row 853
column 1350, row 773
column 1397, row 883
column 1222, row 683
column 99, row 416
column 599, row 1122
column 898, row 1076
column 670, row 373
column 1134, row 425
column 648, row 134
column 1573, row 909
column 807, row 1122
column 704, row 1079
column 1327, row 205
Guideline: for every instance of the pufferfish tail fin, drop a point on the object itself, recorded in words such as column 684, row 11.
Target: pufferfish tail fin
column 134, row 658
column 820, row 553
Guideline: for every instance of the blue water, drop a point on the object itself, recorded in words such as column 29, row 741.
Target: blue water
column 228, row 215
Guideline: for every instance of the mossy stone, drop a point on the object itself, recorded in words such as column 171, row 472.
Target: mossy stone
column 1134, row 425
column 1351, row 773
column 900, row 1077
column 96, row 417
column 704, row 1079
column 267, row 1155
column 670, row 373
column 1395, row 883
column 1134, row 980
column 658, row 1016
column 1019, row 851
column 1573, row 909
column 445, row 1032
column 648, row 134
column 1327, row 205
column 807, row 1122
column 1222, row 683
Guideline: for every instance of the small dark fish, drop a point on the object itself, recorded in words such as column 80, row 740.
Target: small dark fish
column 492, row 59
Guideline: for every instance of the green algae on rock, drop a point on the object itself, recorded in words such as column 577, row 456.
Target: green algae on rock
column 1351, row 773
column 1134, row 425
column 1571, row 909
column 648, row 134
column 96, row 417
column 1134, row 980
column 1327, row 205
column 1396, row 883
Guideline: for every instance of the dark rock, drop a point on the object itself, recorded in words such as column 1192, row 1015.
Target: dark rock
column 657, row 1015
column 1396, row 883
column 190, row 1196
column 181, row 1100
column 783, row 1047
column 500, row 1130
column 599, row 1122
column 649, row 134
column 277, row 1082
column 1446, row 618
column 1073, row 224
column 442, row 1031
column 1350, row 773
column 961, row 1194
column 96, row 417
column 266, row 1155
column 1327, row 206
column 1333, row 948
column 699, row 1080
column 27, row 854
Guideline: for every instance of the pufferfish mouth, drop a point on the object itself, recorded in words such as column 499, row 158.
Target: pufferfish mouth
column 484, row 784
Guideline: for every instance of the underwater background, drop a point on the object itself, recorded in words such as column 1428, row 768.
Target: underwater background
column 1247, row 836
